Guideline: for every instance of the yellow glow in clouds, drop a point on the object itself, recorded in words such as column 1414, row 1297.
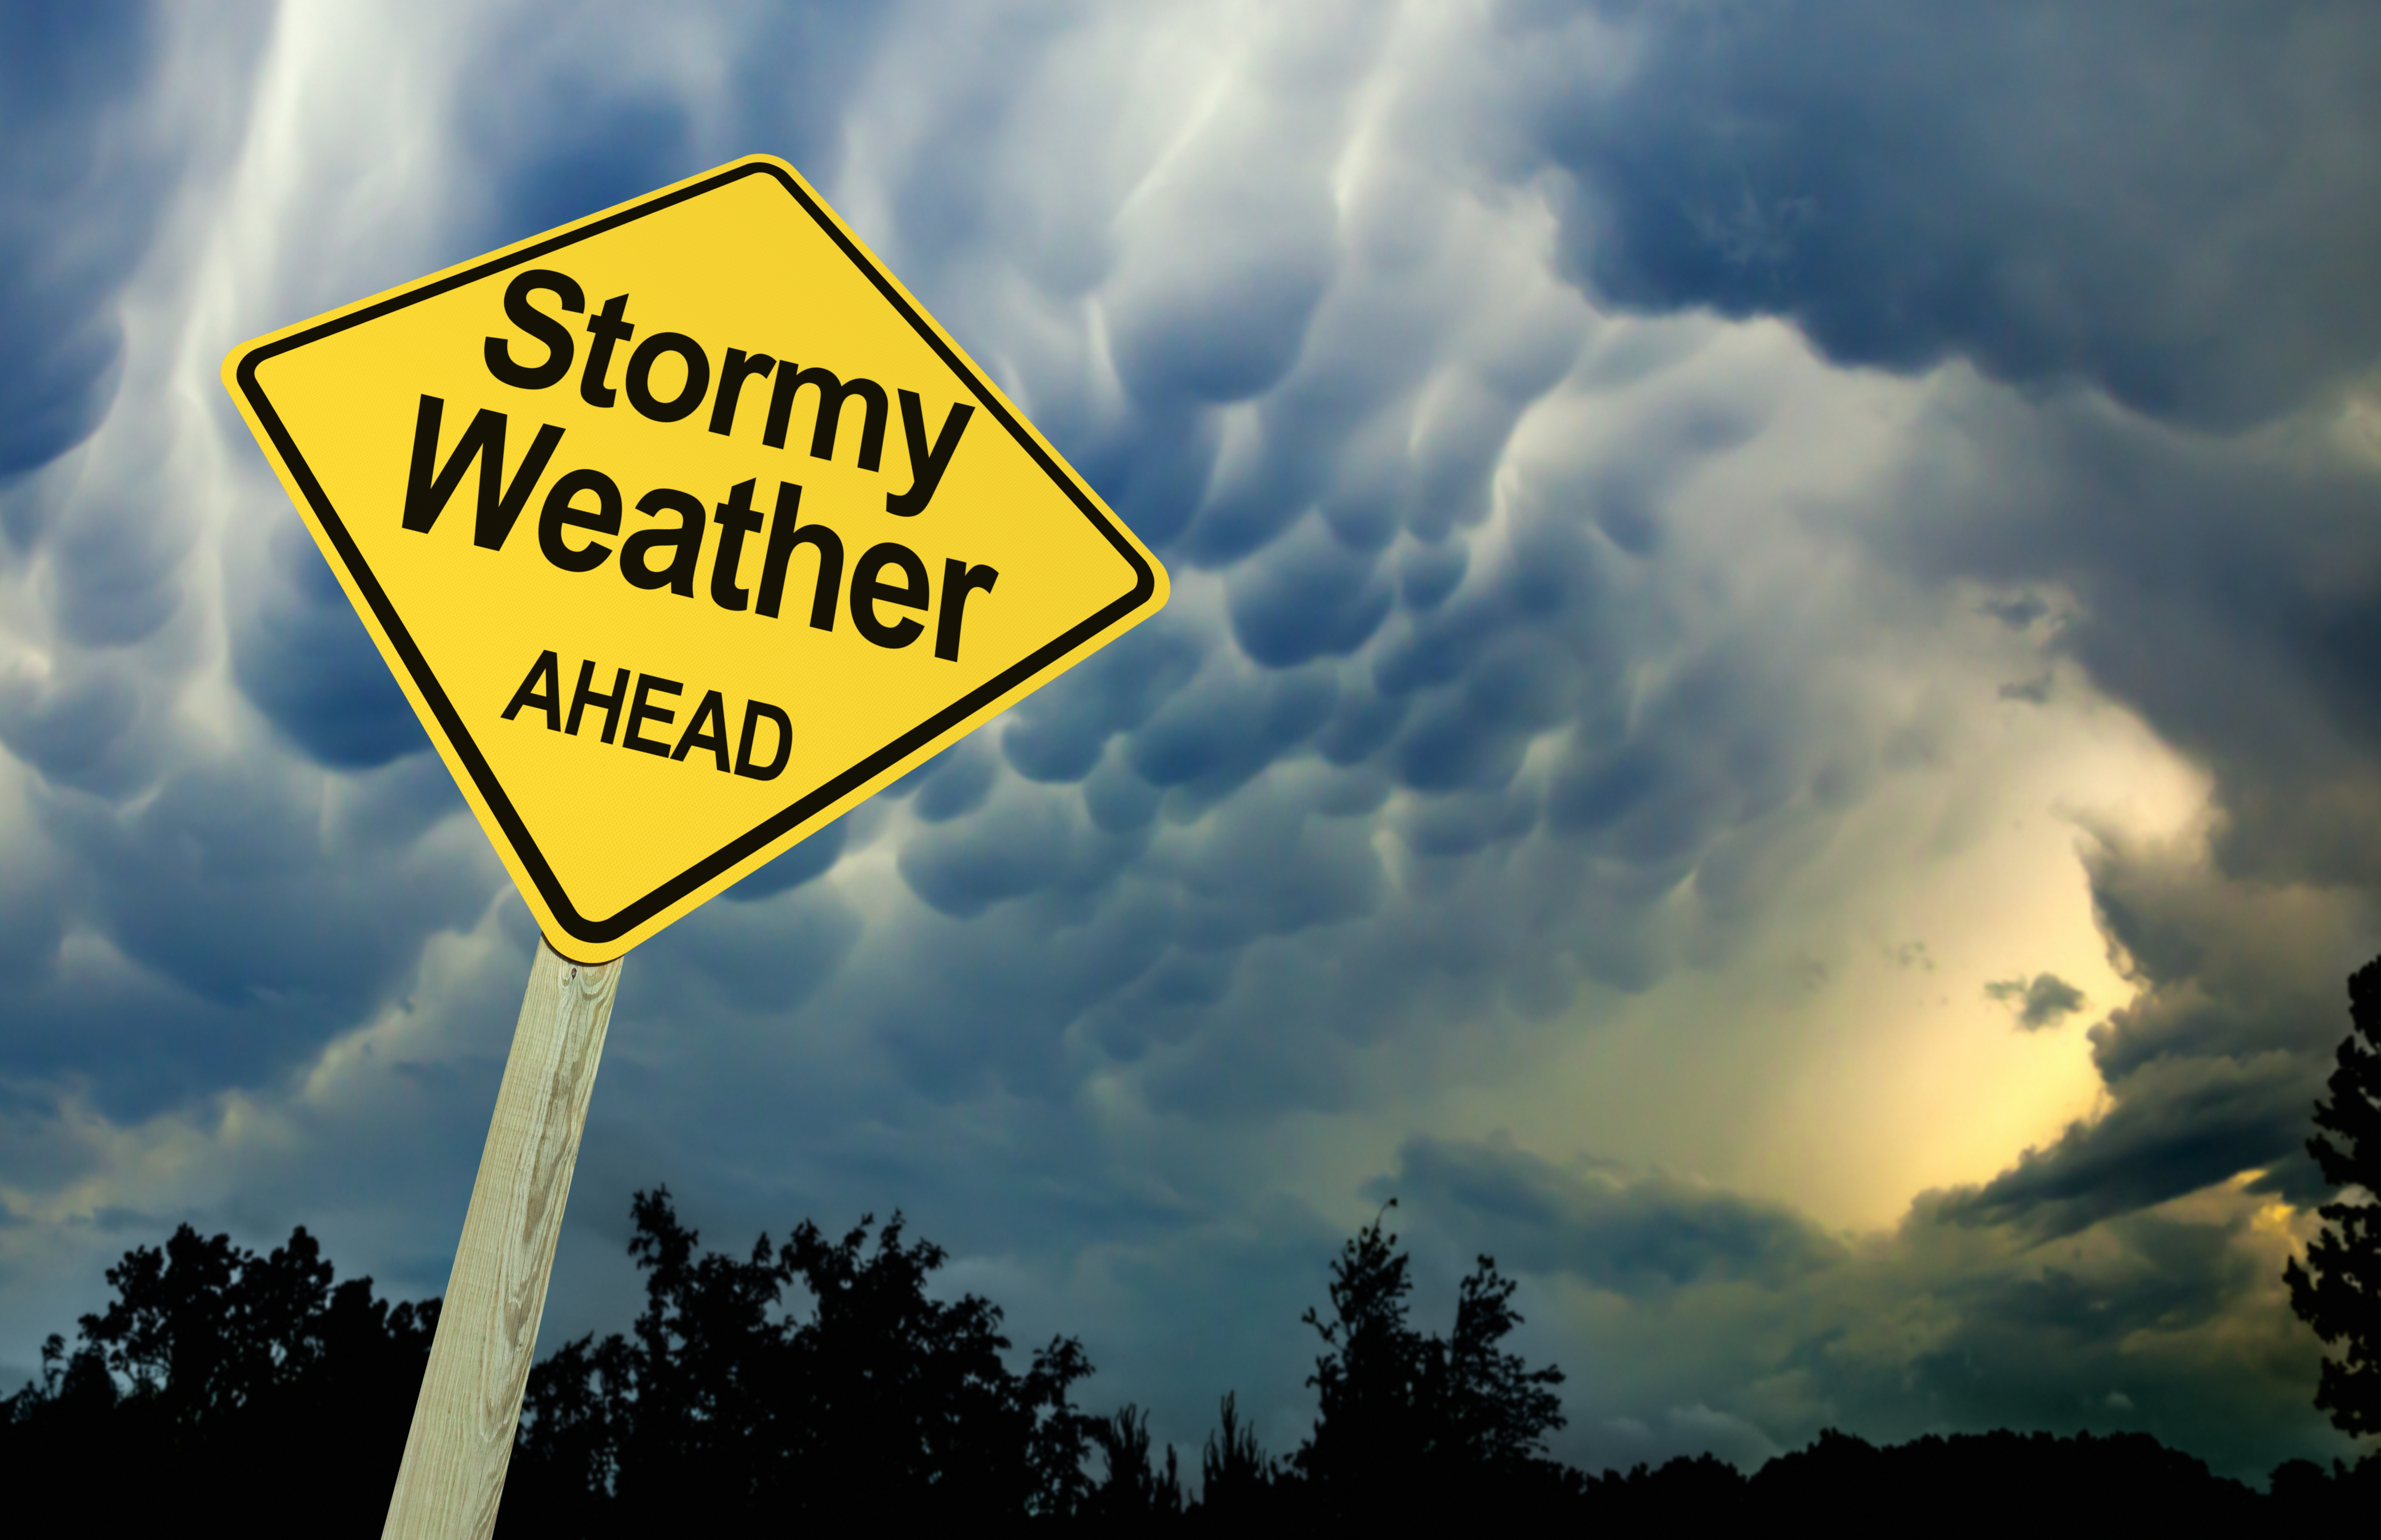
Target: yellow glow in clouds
column 684, row 530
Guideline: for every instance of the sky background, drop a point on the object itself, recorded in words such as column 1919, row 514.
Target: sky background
column 1767, row 712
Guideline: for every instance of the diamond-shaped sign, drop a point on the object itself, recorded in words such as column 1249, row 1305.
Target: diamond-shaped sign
column 684, row 529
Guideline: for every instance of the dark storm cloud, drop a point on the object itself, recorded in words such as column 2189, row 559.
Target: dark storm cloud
column 1374, row 433
column 2224, row 973
column 552, row 159
column 115, row 568
column 92, row 725
column 1627, row 1233
column 224, row 881
column 1314, row 598
column 763, row 960
column 815, row 857
column 956, row 782
column 2173, row 1129
column 1083, row 947
column 1528, row 647
column 304, row 659
column 2219, row 588
column 2213, row 1067
column 258, row 915
column 1368, row 642
column 1222, row 263
column 1221, row 730
column 2167, row 205
column 1236, row 811
column 2044, row 1003
column 2156, row 1323
column 1368, row 648
column 1771, row 1328
column 1151, row 467
column 2158, row 199
column 1057, row 733
column 1030, row 841
column 1028, row 970
column 99, row 124
column 1517, row 887
column 2226, row 590
column 80, row 194
column 559, row 121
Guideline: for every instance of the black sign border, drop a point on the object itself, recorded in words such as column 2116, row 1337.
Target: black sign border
column 603, row 931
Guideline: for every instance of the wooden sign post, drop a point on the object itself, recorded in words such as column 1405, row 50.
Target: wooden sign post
column 684, row 529
column 453, row 1475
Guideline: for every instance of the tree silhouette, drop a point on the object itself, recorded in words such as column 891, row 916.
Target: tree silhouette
column 725, row 1408
column 2339, row 1293
column 911, row 1394
column 1494, row 1410
column 1405, row 1418
column 1236, row 1476
column 218, row 1381
column 1369, row 1427
column 565, row 1452
column 219, row 1374
column 1060, row 1434
column 1134, row 1491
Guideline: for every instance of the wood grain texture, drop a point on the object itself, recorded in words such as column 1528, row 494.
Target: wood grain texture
column 462, row 1436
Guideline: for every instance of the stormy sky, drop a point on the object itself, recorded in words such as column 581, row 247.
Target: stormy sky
column 1768, row 711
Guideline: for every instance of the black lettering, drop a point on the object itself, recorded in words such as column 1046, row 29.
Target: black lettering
column 755, row 713
column 832, row 394
column 547, row 670
column 740, row 366
column 783, row 538
column 558, row 515
column 584, row 697
column 713, row 711
column 538, row 324
column 607, row 328
column 639, row 382
column 685, row 544
column 868, row 591
column 926, row 466
column 959, row 580
column 736, row 518
column 641, row 711
column 426, row 496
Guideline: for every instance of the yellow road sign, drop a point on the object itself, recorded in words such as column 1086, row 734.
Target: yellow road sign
column 684, row 529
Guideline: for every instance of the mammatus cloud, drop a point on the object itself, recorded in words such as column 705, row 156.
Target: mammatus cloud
column 76, row 160
column 1546, row 615
column 2147, row 201
column 2046, row 1002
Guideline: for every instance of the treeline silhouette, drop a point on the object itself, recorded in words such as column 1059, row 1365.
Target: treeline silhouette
column 225, row 1385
